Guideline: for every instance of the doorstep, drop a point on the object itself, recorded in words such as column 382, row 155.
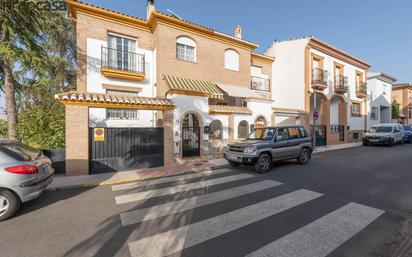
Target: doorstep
column 84, row 181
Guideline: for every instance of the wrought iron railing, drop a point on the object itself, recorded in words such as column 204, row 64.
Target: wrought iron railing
column 319, row 76
column 122, row 60
column 341, row 82
column 362, row 88
column 261, row 84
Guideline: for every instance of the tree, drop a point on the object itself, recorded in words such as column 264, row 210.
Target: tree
column 395, row 110
column 20, row 29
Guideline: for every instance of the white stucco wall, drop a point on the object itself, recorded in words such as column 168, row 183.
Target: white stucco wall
column 95, row 80
column 288, row 76
column 380, row 93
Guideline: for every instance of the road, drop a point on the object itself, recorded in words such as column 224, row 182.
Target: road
column 352, row 202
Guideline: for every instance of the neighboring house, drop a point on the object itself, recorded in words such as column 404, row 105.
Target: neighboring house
column 379, row 98
column 200, row 87
column 306, row 67
column 402, row 94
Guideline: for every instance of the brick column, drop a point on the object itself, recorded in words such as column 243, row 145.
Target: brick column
column 231, row 128
column 77, row 140
column 168, row 137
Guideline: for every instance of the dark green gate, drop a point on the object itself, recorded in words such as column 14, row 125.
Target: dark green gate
column 126, row 149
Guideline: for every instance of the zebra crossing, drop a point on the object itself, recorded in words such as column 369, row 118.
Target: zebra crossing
column 315, row 239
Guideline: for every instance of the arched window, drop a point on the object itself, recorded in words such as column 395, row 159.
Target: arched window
column 215, row 130
column 260, row 122
column 185, row 49
column 243, row 129
column 231, row 60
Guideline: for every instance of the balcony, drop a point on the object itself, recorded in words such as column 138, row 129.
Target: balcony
column 341, row 84
column 362, row 90
column 260, row 84
column 319, row 79
column 122, row 64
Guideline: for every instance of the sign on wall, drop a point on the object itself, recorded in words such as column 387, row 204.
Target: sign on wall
column 98, row 134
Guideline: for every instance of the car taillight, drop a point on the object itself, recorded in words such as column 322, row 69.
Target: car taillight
column 22, row 169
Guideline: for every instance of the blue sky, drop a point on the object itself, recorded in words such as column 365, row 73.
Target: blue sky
column 380, row 32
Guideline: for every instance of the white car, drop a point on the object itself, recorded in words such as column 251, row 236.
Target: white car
column 386, row 134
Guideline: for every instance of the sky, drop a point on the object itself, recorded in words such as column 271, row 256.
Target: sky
column 377, row 31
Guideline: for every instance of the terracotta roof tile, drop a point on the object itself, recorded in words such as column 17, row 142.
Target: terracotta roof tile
column 224, row 109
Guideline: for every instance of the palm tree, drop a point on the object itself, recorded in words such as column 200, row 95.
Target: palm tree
column 20, row 29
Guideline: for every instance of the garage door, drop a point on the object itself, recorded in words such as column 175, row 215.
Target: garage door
column 119, row 149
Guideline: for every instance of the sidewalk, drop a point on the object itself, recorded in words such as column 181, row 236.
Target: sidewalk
column 63, row 182
column 323, row 149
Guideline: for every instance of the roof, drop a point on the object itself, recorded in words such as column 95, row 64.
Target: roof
column 114, row 101
column 228, row 109
column 188, row 86
column 150, row 24
column 383, row 76
column 401, row 86
column 323, row 46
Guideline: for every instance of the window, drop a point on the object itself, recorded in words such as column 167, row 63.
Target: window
column 121, row 54
column 185, row 49
column 231, row 60
column 126, row 114
column 121, row 92
column 356, row 109
column 215, row 130
column 294, row 133
column 242, row 129
column 374, row 113
column 282, row 134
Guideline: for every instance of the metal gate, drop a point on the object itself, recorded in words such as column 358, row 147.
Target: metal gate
column 126, row 149
column 341, row 130
column 191, row 141
column 320, row 133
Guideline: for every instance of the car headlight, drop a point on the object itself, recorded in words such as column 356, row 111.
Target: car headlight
column 249, row 150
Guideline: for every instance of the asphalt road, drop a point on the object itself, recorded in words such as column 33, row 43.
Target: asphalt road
column 354, row 203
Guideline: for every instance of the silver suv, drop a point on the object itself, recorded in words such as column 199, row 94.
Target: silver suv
column 386, row 134
column 266, row 145
column 24, row 174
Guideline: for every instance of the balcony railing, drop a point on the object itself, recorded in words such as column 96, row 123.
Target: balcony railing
column 260, row 84
column 319, row 76
column 362, row 88
column 122, row 60
column 341, row 84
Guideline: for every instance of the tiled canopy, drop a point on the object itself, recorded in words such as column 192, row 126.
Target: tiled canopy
column 114, row 101
column 227, row 109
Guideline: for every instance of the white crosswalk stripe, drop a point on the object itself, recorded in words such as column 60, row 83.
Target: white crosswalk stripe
column 172, row 241
column 179, row 188
column 167, row 179
column 161, row 210
column 322, row 236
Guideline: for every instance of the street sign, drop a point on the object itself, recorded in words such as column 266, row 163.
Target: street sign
column 315, row 115
column 98, row 134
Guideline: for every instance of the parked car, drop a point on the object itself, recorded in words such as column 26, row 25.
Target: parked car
column 266, row 145
column 24, row 174
column 408, row 133
column 387, row 134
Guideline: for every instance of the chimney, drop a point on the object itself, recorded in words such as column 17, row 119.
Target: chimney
column 150, row 7
column 238, row 32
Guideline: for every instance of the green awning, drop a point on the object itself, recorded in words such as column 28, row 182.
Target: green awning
column 193, row 87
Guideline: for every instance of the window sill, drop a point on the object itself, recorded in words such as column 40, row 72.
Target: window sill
column 232, row 70
column 194, row 62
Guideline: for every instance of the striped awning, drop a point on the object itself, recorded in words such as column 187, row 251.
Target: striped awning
column 228, row 109
column 192, row 87
column 289, row 112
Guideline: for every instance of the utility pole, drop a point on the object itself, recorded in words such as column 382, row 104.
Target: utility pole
column 315, row 116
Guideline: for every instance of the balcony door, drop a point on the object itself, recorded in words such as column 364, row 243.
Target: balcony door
column 121, row 53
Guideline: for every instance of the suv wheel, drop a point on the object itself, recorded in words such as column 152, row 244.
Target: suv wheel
column 263, row 164
column 304, row 156
column 9, row 204
column 233, row 164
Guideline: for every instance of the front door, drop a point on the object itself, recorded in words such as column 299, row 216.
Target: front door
column 320, row 134
column 190, row 136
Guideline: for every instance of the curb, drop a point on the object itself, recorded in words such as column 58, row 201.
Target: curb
column 119, row 181
column 334, row 149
